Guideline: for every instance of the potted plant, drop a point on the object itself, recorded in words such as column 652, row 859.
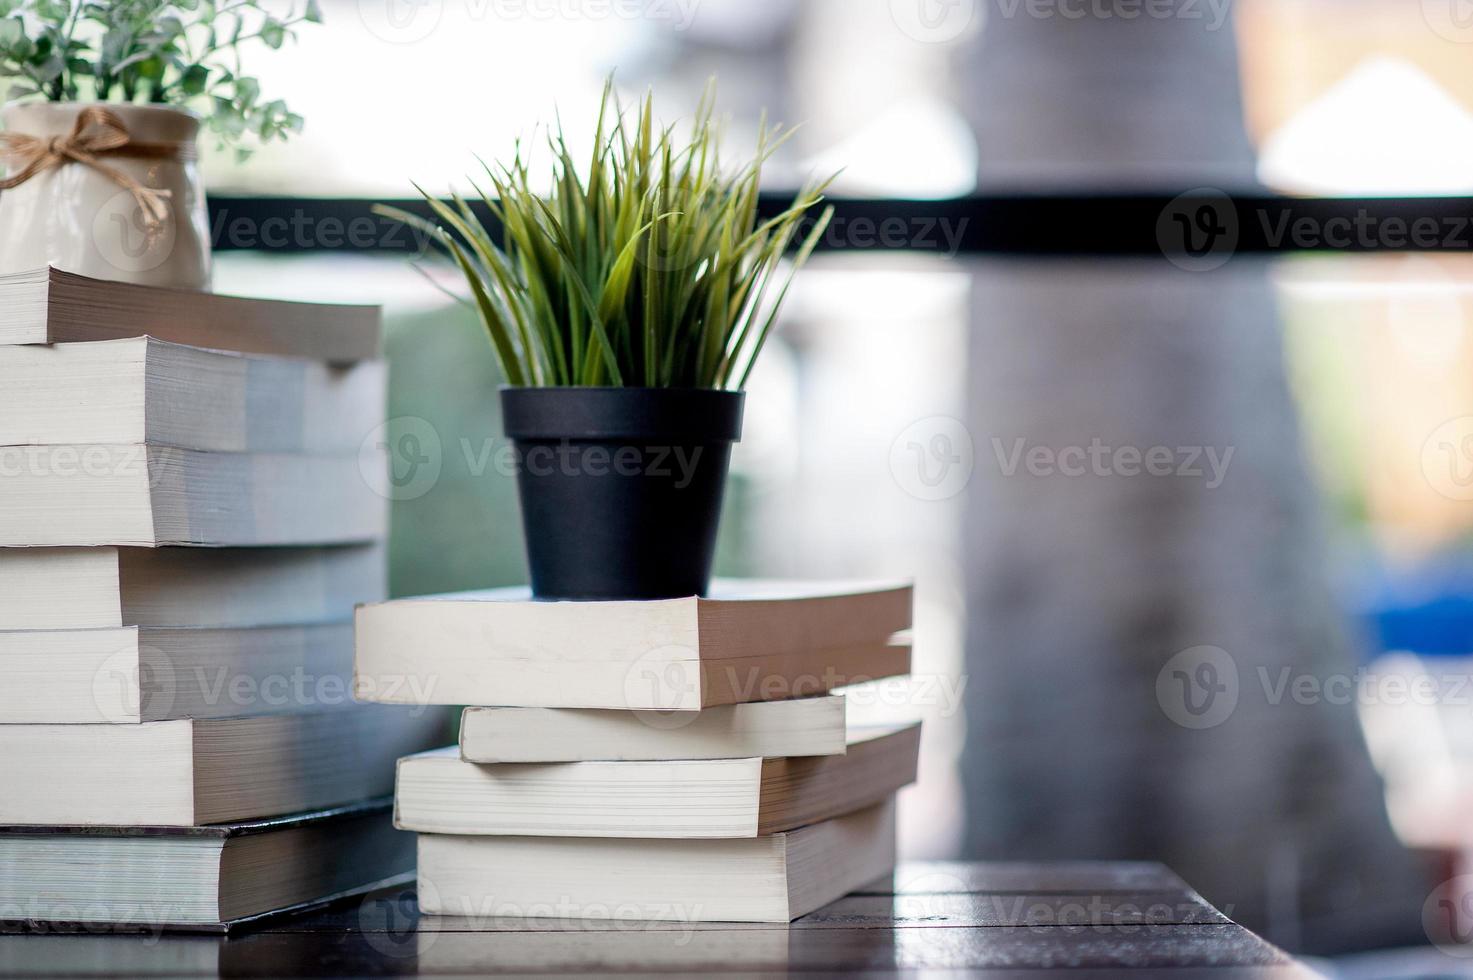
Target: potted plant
column 626, row 304
column 100, row 135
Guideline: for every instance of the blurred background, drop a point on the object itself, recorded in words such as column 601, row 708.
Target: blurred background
column 1189, row 526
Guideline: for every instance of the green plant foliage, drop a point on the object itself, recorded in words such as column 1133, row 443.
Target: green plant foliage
column 650, row 268
column 178, row 52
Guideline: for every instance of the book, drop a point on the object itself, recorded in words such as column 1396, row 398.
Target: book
column 134, row 674
column 796, row 727
column 584, row 880
column 207, row 878
column 72, row 495
column 143, row 390
column 183, row 773
column 749, row 641
column 100, row 588
column 439, row 793
column 48, row 306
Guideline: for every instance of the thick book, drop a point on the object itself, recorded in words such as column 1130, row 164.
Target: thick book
column 585, row 880
column 183, row 773
column 439, row 793
column 205, row 879
column 101, row 588
column 134, row 674
column 142, row 390
column 749, row 640
column 72, row 495
column 48, row 306
column 796, row 727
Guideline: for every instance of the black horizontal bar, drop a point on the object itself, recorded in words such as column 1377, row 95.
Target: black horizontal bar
column 1199, row 228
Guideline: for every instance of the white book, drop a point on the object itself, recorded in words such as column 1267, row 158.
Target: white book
column 142, row 390
column 439, row 793
column 796, row 727
column 776, row 878
column 750, row 640
column 99, row 588
column 134, row 674
column 60, row 496
column 208, row 879
column 184, row 773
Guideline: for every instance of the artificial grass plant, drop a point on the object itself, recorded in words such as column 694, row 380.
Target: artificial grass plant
column 649, row 268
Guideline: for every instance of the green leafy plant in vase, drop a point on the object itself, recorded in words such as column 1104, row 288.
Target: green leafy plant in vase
column 626, row 303
column 106, row 102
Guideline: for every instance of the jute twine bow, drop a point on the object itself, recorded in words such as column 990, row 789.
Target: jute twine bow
column 97, row 133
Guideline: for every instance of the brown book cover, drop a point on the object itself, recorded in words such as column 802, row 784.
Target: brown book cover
column 49, row 306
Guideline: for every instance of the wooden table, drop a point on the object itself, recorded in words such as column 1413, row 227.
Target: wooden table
column 1009, row 920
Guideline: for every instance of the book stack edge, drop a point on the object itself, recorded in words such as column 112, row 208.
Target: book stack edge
column 648, row 760
column 187, row 519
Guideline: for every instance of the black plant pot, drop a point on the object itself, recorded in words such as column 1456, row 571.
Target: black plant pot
column 621, row 487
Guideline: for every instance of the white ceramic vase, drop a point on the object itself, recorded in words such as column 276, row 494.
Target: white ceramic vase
column 80, row 220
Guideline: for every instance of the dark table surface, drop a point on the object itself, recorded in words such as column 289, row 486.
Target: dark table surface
column 1024, row 920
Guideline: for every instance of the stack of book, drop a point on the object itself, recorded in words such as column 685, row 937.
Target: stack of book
column 185, row 528
column 646, row 760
